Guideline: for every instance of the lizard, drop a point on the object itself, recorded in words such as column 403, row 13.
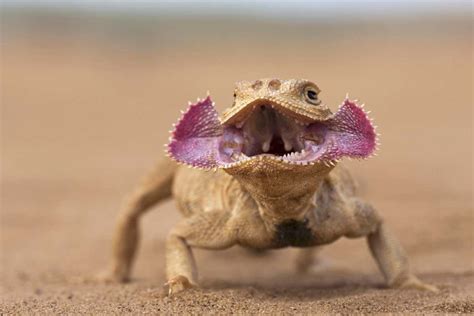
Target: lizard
column 265, row 175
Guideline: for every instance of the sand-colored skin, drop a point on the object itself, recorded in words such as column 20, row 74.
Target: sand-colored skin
column 262, row 204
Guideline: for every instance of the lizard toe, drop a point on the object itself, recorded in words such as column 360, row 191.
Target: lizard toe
column 178, row 284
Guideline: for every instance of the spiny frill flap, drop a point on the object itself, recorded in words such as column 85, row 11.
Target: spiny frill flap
column 351, row 132
column 195, row 138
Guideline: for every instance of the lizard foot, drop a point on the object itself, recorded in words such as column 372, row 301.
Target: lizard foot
column 178, row 284
column 111, row 276
column 320, row 264
column 414, row 283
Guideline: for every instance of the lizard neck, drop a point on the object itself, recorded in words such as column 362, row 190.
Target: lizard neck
column 294, row 204
column 283, row 196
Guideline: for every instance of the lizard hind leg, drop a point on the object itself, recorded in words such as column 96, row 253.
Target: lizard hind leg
column 155, row 187
column 385, row 248
column 308, row 259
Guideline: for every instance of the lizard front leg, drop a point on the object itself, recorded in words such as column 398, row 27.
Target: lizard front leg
column 204, row 230
column 385, row 248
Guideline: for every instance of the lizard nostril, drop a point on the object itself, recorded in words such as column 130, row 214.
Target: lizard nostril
column 274, row 84
column 257, row 84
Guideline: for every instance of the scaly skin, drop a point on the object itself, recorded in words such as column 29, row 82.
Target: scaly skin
column 255, row 197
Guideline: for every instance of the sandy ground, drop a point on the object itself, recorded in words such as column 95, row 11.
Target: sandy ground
column 82, row 123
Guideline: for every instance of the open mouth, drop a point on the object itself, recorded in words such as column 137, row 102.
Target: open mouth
column 268, row 130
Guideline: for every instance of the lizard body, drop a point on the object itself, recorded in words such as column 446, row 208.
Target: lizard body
column 275, row 183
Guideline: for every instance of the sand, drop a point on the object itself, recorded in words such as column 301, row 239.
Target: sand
column 83, row 121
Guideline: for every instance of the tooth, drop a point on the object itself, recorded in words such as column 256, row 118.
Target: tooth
column 266, row 146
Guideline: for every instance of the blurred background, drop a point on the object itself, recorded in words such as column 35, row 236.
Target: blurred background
column 89, row 90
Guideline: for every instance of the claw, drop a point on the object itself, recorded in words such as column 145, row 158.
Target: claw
column 177, row 284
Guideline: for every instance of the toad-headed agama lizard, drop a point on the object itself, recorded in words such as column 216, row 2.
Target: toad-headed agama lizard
column 273, row 181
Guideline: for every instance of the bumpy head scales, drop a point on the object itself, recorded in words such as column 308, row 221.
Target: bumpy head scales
column 280, row 127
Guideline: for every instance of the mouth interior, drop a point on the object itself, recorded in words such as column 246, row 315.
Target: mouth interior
column 268, row 131
column 277, row 147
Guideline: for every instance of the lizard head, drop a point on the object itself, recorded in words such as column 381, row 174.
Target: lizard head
column 273, row 125
column 278, row 140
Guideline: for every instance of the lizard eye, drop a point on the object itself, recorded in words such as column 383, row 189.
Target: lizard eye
column 311, row 95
